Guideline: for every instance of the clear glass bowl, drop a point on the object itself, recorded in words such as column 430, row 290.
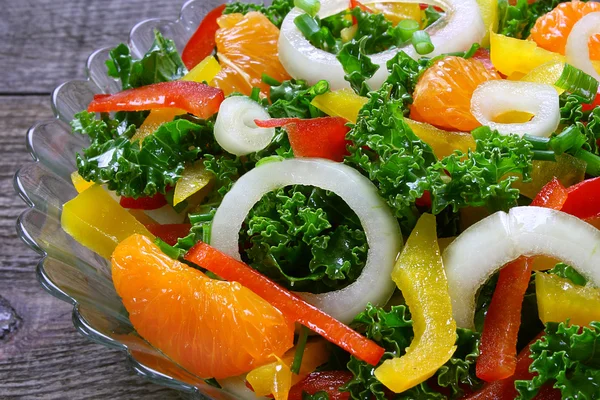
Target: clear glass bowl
column 68, row 270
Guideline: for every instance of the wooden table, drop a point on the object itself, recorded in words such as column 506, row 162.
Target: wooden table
column 44, row 43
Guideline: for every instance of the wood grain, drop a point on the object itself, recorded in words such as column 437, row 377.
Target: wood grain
column 44, row 43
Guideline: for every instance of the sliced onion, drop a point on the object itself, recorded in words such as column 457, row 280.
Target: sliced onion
column 456, row 31
column 381, row 228
column 236, row 385
column 485, row 247
column 235, row 130
column 496, row 97
column 577, row 50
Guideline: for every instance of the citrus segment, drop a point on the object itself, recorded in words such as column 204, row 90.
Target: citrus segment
column 552, row 30
column 212, row 328
column 442, row 96
column 247, row 49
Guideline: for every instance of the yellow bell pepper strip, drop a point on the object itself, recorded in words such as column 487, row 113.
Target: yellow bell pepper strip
column 396, row 12
column 489, row 12
column 277, row 379
column 203, row 72
column 340, row 103
column 548, row 73
column 560, row 300
column 80, row 183
column 98, row 222
column 443, row 143
column 419, row 274
column 194, row 178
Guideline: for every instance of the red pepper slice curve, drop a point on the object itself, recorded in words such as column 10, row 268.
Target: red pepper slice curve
column 356, row 3
column 317, row 137
column 553, row 195
column 327, row 381
column 498, row 348
column 144, row 203
column 483, row 55
column 195, row 98
column 589, row 107
column 584, row 199
column 202, row 43
column 169, row 233
column 288, row 303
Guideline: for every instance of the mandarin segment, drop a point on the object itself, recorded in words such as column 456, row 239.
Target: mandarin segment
column 247, row 49
column 552, row 29
column 212, row 328
column 443, row 94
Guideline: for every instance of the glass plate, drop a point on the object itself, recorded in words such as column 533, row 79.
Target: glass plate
column 68, row 270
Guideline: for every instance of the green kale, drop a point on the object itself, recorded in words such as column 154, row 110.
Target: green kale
column 518, row 20
column 567, row 272
column 161, row 63
column 393, row 331
column 321, row 395
column 139, row 169
column 276, row 12
column 568, row 357
column 291, row 99
column 306, row 239
column 357, row 65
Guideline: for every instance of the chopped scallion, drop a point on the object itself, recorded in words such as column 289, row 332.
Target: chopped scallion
column 406, row 28
column 422, row 42
column 311, row 7
column 302, row 338
column 575, row 81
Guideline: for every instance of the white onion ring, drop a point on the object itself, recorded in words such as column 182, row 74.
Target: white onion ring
column 457, row 31
column 577, row 50
column 381, row 228
column 493, row 98
column 484, row 248
column 235, row 130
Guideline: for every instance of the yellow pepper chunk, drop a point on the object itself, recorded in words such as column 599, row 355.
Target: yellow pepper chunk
column 80, row 183
column 504, row 53
column 203, row 72
column 443, row 143
column 549, row 73
column 489, row 12
column 273, row 378
column 396, row 12
column 560, row 299
column 419, row 274
column 193, row 179
column 340, row 103
column 98, row 222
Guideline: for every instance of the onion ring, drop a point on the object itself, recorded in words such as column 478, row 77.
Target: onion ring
column 577, row 50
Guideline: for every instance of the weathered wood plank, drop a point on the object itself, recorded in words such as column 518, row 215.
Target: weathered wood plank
column 42, row 355
column 46, row 42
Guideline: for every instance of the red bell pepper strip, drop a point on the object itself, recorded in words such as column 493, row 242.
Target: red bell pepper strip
column 169, row 233
column 144, row 203
column 288, row 303
column 505, row 389
column 424, row 6
column 202, row 43
column 553, row 195
column 583, row 200
column 317, row 137
column 356, row 3
column 195, row 98
column 498, row 348
column 483, row 55
column 592, row 105
column 327, row 381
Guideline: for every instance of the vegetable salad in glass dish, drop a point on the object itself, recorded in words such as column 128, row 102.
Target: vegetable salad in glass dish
column 358, row 200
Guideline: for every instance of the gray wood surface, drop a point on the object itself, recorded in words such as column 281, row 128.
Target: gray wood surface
column 44, row 43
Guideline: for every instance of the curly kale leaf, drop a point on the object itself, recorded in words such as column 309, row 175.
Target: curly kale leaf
column 567, row 356
column 518, row 20
column 161, row 63
column 134, row 169
column 276, row 12
column 305, row 239
column 291, row 99
column 393, row 331
column 567, row 272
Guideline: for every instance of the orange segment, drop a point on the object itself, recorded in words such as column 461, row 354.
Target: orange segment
column 247, row 48
column 552, row 30
column 212, row 328
column 443, row 94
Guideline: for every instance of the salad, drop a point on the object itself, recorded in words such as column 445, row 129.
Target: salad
column 358, row 200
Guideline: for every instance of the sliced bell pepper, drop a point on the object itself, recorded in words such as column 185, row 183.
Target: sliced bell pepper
column 322, row 381
column 196, row 98
column 317, row 137
column 560, row 300
column 396, row 12
column 356, row 3
column 553, row 196
column 498, row 348
column 202, row 43
column 343, row 103
column 193, row 179
column 169, row 233
column 98, row 222
column 443, row 143
column 592, row 105
column 292, row 306
column 505, row 389
column 419, row 274
column 489, row 13
column 584, row 199
column 80, row 183
column 144, row 203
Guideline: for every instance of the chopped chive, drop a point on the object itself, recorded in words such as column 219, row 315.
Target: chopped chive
column 311, row 7
column 575, row 81
column 307, row 25
column 538, row 143
column 270, row 80
column 544, row 155
column 255, row 94
column 422, row 42
column 570, row 138
column 406, row 28
column 170, row 251
column 206, row 232
column 592, row 160
column 196, row 218
column 302, row 338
